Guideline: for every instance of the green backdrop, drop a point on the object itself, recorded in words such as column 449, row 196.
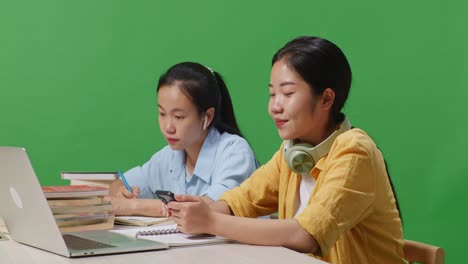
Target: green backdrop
column 77, row 85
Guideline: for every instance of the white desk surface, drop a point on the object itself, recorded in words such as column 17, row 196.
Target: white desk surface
column 12, row 252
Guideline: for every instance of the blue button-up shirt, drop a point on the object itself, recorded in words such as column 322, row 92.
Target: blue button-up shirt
column 225, row 161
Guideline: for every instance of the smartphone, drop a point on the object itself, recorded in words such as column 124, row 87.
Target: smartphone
column 165, row 196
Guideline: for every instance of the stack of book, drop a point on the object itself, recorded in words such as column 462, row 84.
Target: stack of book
column 80, row 207
column 98, row 178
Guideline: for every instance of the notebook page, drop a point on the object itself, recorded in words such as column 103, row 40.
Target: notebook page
column 140, row 220
column 177, row 239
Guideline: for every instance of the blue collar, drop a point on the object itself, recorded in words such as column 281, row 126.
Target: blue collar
column 206, row 157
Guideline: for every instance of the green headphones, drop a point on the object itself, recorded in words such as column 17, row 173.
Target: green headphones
column 302, row 157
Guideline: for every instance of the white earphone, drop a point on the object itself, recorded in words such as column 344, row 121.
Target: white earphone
column 205, row 122
column 302, row 157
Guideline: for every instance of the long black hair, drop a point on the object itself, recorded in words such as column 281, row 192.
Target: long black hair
column 205, row 88
column 321, row 64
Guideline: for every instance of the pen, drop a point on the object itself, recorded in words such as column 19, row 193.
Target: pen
column 122, row 177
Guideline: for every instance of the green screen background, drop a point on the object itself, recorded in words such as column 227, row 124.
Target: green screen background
column 77, row 85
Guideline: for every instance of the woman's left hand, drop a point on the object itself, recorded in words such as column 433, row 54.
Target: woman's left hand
column 191, row 213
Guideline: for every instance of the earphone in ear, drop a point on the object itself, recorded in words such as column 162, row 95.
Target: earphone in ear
column 302, row 157
column 205, row 122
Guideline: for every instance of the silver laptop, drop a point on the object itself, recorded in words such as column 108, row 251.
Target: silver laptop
column 30, row 221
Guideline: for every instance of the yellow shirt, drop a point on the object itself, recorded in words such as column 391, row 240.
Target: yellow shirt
column 352, row 210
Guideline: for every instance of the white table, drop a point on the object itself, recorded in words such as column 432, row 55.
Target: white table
column 12, row 252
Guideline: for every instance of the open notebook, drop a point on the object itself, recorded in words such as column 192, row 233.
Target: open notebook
column 140, row 220
column 168, row 234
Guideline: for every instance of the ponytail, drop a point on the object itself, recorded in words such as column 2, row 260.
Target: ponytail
column 227, row 119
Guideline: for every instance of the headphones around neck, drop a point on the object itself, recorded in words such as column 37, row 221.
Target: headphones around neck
column 302, row 157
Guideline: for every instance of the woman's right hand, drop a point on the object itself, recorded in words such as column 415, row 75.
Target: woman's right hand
column 123, row 192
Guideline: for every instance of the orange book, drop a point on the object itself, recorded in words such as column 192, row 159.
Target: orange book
column 72, row 191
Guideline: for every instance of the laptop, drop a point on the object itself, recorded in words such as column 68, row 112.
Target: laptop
column 30, row 221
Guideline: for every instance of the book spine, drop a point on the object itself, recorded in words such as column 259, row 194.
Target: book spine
column 109, row 224
column 89, row 175
column 102, row 183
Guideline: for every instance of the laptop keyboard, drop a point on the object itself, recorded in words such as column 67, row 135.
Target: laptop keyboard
column 79, row 243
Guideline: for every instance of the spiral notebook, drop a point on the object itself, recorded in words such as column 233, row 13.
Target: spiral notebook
column 168, row 234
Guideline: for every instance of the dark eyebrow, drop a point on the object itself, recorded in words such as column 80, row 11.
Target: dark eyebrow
column 287, row 83
column 284, row 84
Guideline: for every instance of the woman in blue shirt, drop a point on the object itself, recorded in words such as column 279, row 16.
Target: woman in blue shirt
column 207, row 154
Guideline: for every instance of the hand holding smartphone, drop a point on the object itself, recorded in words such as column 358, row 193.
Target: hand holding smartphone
column 165, row 196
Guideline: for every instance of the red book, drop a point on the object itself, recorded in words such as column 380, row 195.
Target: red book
column 74, row 191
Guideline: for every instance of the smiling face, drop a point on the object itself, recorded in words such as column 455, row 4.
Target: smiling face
column 179, row 119
column 297, row 112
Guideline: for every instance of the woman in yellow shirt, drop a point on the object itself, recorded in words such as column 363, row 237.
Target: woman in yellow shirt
column 328, row 181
